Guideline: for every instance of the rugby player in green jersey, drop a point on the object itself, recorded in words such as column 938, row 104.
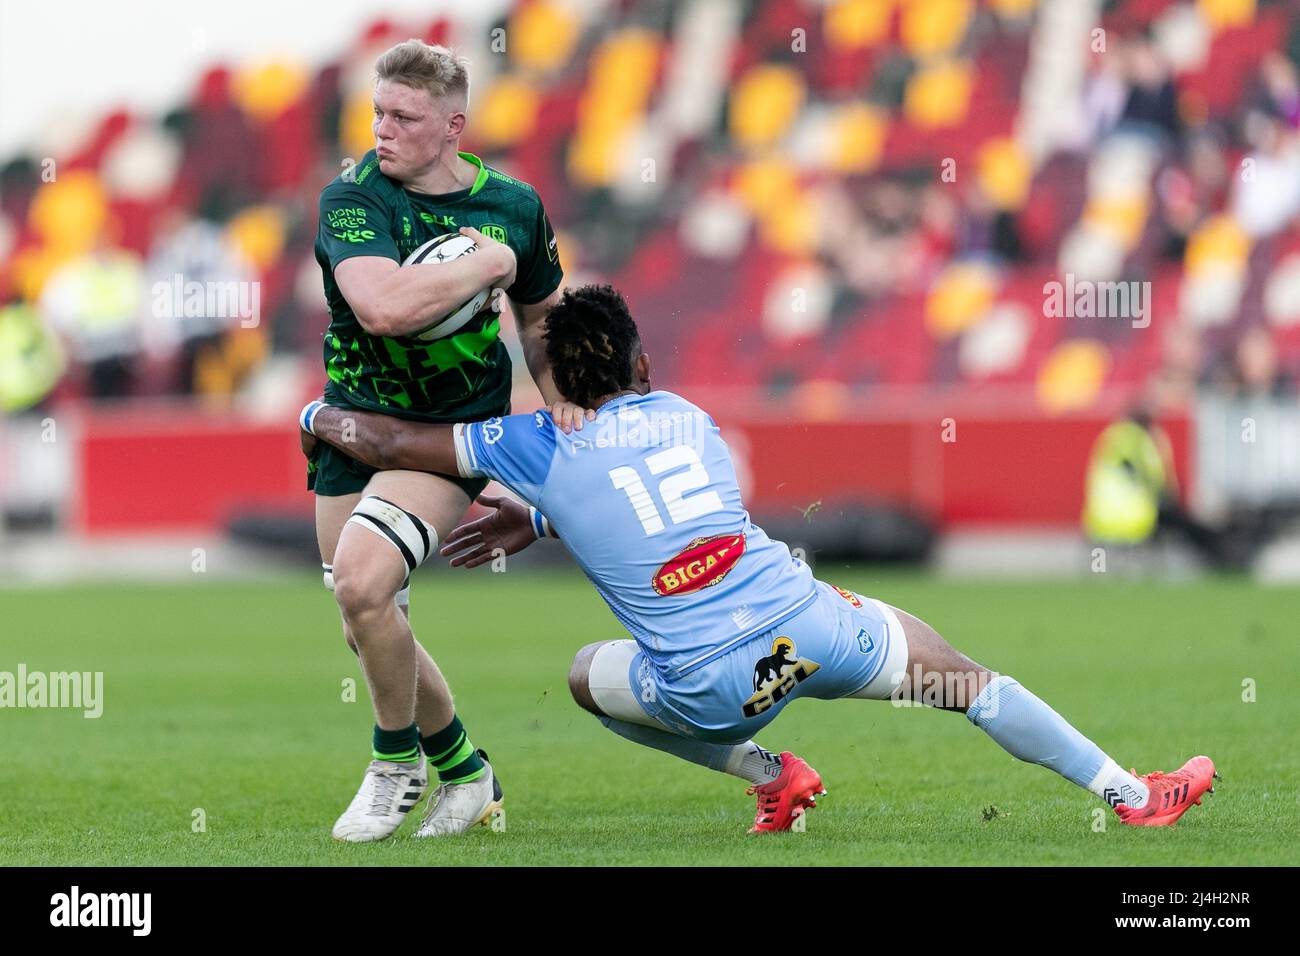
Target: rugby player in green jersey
column 375, row 527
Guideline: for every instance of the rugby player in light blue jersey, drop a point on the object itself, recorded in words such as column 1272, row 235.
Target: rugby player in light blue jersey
column 727, row 626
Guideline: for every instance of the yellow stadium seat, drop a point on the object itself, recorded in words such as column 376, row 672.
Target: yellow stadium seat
column 764, row 183
column 1072, row 375
column 858, row 139
column 508, row 113
column 592, row 156
column 764, row 102
column 1013, row 9
column 1217, row 243
column 959, row 298
column 1004, row 172
column 356, row 133
column 938, row 95
column 258, row 232
column 933, row 27
column 33, row 267
column 70, row 213
column 790, row 226
column 618, row 89
column 857, row 24
column 541, row 36
column 1121, row 217
column 267, row 90
column 1223, row 14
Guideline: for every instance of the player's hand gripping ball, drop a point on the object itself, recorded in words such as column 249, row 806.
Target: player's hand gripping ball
column 436, row 251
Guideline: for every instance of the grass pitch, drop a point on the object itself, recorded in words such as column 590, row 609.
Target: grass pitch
column 224, row 704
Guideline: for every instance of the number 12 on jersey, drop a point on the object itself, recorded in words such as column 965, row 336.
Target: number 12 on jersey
column 673, row 488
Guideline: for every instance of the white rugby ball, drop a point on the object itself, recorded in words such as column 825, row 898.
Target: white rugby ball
column 443, row 249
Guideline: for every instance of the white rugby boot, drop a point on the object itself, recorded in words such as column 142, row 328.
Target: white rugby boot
column 387, row 794
column 457, row 807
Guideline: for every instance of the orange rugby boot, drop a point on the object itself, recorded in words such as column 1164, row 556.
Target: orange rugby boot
column 786, row 798
column 1172, row 794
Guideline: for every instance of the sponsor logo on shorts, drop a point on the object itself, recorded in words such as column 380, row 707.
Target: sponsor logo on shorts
column 847, row 595
column 776, row 675
column 701, row 564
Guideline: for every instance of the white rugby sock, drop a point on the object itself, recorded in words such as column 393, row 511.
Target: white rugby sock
column 1116, row 785
column 751, row 762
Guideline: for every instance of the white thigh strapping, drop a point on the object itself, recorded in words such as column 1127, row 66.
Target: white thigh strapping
column 883, row 685
column 611, row 687
column 413, row 537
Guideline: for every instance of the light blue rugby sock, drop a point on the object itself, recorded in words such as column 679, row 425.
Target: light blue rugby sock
column 1027, row 728
column 748, row 761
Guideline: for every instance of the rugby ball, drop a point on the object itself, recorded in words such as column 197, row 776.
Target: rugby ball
column 443, row 249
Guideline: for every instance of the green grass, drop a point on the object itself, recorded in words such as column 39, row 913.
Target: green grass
column 228, row 698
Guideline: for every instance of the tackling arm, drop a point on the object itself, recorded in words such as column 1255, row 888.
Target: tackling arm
column 508, row 529
column 382, row 441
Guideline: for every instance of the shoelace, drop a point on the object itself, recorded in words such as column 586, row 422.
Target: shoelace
column 432, row 804
column 386, row 783
column 768, row 803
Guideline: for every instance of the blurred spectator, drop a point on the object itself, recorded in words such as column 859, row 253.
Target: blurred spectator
column 95, row 302
column 189, row 251
column 1254, row 369
column 1152, row 98
column 885, row 188
column 31, row 359
column 1132, row 490
column 1268, row 189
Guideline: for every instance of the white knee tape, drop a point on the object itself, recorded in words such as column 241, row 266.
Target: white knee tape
column 329, row 576
column 412, row 536
column 403, row 597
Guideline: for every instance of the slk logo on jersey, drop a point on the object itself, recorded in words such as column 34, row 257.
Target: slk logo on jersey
column 701, row 564
column 847, row 595
column 776, row 675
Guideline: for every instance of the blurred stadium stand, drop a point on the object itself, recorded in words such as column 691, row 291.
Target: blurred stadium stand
column 834, row 220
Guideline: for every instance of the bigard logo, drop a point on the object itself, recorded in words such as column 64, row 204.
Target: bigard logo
column 701, row 564
column 776, row 675
column 847, row 595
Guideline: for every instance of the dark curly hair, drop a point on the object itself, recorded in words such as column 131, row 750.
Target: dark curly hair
column 592, row 344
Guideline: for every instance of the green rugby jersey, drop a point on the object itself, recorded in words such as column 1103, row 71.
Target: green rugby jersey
column 462, row 377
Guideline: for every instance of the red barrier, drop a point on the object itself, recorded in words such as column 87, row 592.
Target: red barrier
column 997, row 471
column 167, row 470
column 171, row 470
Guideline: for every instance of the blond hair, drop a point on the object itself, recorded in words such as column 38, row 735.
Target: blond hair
column 424, row 66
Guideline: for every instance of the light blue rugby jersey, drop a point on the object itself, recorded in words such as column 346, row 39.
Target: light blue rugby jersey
column 646, row 500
